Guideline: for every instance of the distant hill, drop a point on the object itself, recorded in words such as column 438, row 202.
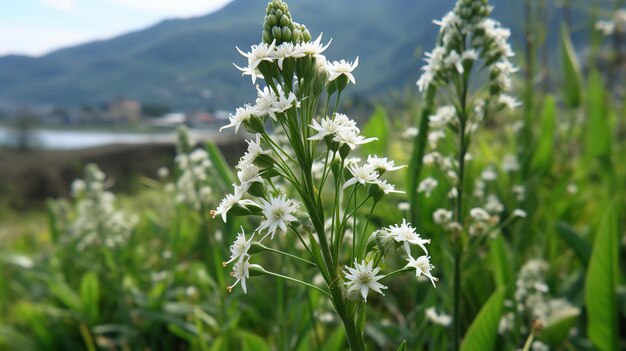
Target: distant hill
column 188, row 62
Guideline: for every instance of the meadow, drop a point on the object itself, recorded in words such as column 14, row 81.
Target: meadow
column 483, row 211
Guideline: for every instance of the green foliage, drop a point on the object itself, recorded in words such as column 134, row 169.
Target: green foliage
column 598, row 128
column 543, row 156
column 377, row 127
column 573, row 82
column 601, row 282
column 482, row 333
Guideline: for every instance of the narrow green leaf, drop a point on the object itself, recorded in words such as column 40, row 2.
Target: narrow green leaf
column 598, row 137
column 90, row 295
column 499, row 257
column 601, row 283
column 376, row 127
column 572, row 76
column 12, row 339
column 484, row 329
column 220, row 164
column 65, row 294
column 402, row 346
column 542, row 159
column 575, row 241
column 336, row 341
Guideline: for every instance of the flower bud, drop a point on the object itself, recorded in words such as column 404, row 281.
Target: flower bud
column 286, row 33
column 257, row 189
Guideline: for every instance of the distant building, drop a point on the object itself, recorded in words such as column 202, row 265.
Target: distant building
column 124, row 110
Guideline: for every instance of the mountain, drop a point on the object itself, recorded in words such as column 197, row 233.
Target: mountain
column 188, row 62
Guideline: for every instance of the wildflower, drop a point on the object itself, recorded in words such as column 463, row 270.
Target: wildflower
column 330, row 127
column 351, row 138
column 254, row 150
column 387, row 188
column 242, row 114
column 361, row 174
column 479, row 214
column 509, row 101
column 510, row 163
column 227, row 203
column 405, row 234
column 519, row 213
column 442, row 216
column 239, row 248
column 427, row 186
column 444, row 115
column 489, row 174
column 163, row 172
column 493, row 204
column 286, row 50
column 247, row 175
column 266, row 103
column 278, row 212
column 284, row 103
column 422, row 267
column 441, row 319
column 381, row 164
column 362, row 278
column 313, row 48
column 241, row 272
column 258, row 54
column 343, row 67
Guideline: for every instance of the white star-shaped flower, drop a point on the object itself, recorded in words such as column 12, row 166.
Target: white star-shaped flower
column 361, row 174
column 239, row 248
column 382, row 164
column 422, row 267
column 278, row 212
column 241, row 115
column 343, row 67
column 405, row 233
column 363, row 277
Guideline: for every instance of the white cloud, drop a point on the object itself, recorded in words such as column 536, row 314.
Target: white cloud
column 30, row 40
column 62, row 5
column 172, row 8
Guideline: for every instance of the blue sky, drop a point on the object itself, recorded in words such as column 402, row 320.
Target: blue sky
column 36, row 27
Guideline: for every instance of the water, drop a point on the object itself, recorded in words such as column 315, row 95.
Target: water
column 68, row 140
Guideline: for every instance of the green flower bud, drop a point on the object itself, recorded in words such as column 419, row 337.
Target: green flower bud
column 285, row 21
column 267, row 37
column 257, row 189
column 264, row 161
column 277, row 33
column 286, row 33
column 254, row 125
column 279, row 13
column 344, row 151
column 271, row 21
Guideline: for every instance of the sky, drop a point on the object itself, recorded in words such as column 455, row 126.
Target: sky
column 36, row 27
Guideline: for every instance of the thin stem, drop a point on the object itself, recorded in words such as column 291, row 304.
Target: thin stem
column 287, row 254
column 277, row 275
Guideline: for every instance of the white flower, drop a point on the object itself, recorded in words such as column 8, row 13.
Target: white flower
column 254, row 150
column 422, row 267
column 510, row 163
column 444, row 115
column 519, row 213
column 441, row 319
column 247, row 175
column 241, row 272
column 361, row 174
column 493, row 204
column 313, row 48
column 258, row 53
column 427, row 186
column 509, row 101
column 338, row 68
column 519, row 191
column 448, row 20
column 489, row 174
column 330, row 126
column 241, row 115
column 388, row 188
column 163, row 172
column 479, row 214
column 410, row 132
column 363, row 277
column 539, row 346
column 381, row 164
column 266, row 103
column 227, row 203
column 239, row 248
column 470, row 55
column 442, row 216
column 286, row 50
column 278, row 212
column 351, row 138
column 454, row 59
column 284, row 103
column 405, row 233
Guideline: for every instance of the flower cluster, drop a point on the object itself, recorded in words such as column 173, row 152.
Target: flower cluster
column 617, row 24
column 467, row 35
column 298, row 178
column 194, row 166
column 98, row 221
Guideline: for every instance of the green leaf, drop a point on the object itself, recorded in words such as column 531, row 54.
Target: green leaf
column 598, row 138
column 220, row 164
column 542, row 159
column 12, row 339
column 65, row 294
column 575, row 241
column 484, row 329
column 572, row 76
column 503, row 274
column 336, row 341
column 377, row 127
column 601, row 283
column 90, row 295
column 402, row 346
column 556, row 331
column 252, row 342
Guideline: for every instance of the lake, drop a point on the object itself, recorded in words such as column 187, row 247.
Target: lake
column 67, row 140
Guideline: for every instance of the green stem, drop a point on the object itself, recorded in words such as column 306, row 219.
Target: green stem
column 277, row 275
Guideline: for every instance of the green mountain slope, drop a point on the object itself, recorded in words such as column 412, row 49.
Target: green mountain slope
column 188, row 62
